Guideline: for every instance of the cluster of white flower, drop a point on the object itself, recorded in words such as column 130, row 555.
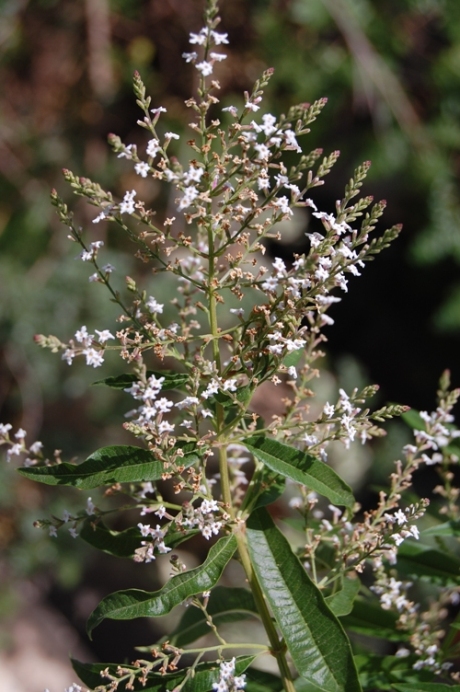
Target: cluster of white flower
column 436, row 436
column 73, row 688
column 150, row 414
column 85, row 346
column 17, row 446
column 156, row 542
column 228, row 681
column 393, row 594
column 203, row 518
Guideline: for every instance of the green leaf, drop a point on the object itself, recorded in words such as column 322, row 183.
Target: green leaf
column 418, row 560
column 172, row 380
column 108, row 465
column 134, row 603
column 426, row 687
column 225, row 605
column 341, row 603
column 315, row 639
column 123, row 543
column 413, row 419
column 293, row 358
column 206, row 674
column 261, row 681
column 448, row 528
column 371, row 621
column 300, row 467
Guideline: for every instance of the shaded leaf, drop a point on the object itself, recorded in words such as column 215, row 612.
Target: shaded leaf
column 414, row 420
column 418, row 560
column 172, row 380
column 341, row 603
column 134, row 603
column 370, row 620
column 108, row 465
column 225, row 605
column 448, row 528
column 315, row 639
column 426, row 687
column 123, row 543
column 293, row 358
column 261, row 681
column 206, row 674
column 300, row 467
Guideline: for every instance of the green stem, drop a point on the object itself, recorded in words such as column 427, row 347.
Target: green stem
column 277, row 647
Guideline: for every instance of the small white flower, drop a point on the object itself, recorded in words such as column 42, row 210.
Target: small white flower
column 190, row 57
column 127, row 205
column 154, row 306
column 171, row 135
column 142, row 169
column 198, row 39
column 218, row 57
column 153, row 147
column 104, row 335
column 205, row 68
column 218, row 38
column 93, row 357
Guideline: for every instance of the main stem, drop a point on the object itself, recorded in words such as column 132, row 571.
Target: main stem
column 278, row 649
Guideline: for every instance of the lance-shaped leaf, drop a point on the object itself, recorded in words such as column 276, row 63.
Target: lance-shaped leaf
column 423, row 561
column 314, row 637
column 172, row 380
column 372, row 621
column 134, row 603
column 108, row 465
column 426, row 687
column 225, row 605
column 123, row 543
column 341, row 603
column 205, row 675
column 300, row 467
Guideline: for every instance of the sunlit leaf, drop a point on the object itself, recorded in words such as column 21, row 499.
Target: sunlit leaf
column 225, row 605
column 315, row 638
column 300, row 467
column 134, row 603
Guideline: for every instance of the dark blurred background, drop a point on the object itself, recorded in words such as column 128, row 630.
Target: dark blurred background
column 391, row 72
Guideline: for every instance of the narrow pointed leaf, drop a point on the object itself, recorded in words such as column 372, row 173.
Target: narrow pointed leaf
column 301, row 467
column 262, row 681
column 225, row 605
column 315, row 638
column 206, row 674
column 418, row 560
column 108, row 465
column 123, row 543
column 426, row 687
column 134, row 603
column 448, row 528
column 172, row 380
column 341, row 603
column 372, row 621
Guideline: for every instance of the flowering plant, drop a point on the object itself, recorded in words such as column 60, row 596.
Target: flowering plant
column 209, row 463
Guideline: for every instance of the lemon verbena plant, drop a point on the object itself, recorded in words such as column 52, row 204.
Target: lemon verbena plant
column 207, row 462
